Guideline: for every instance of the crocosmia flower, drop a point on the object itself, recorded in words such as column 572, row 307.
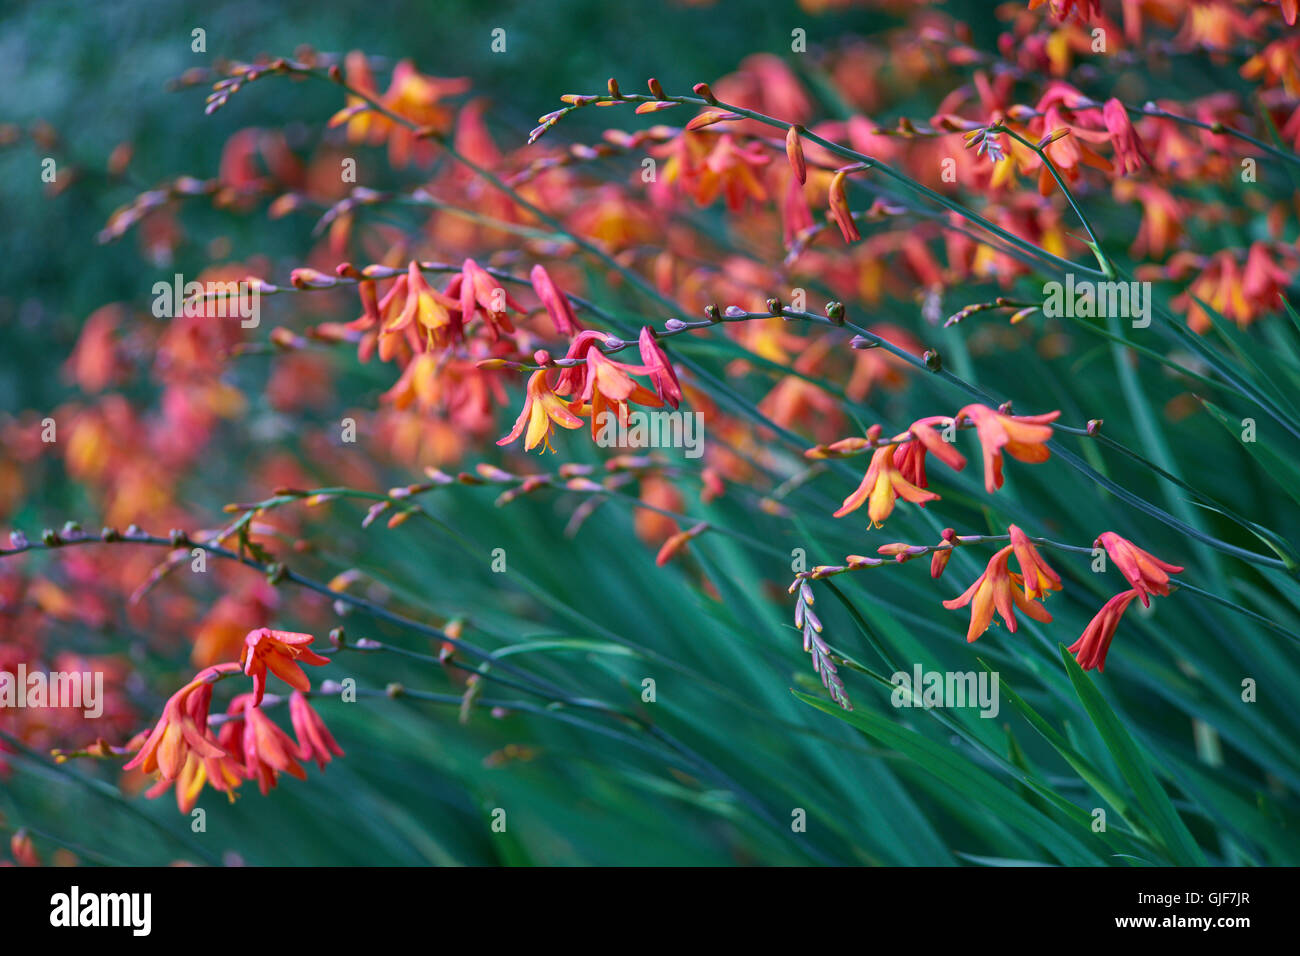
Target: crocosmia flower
column 280, row 652
column 268, row 750
column 882, row 485
column 1090, row 649
column 1147, row 573
column 315, row 742
column 1023, row 437
column 996, row 589
column 659, row 368
column 1038, row 577
column 183, row 729
column 543, row 410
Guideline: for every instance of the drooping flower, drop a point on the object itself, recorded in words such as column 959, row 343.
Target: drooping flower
column 659, row 368
column 268, row 750
column 881, row 486
column 998, row 589
column 1238, row 291
column 556, row 303
column 434, row 318
column 1091, row 648
column 542, row 411
column 280, row 652
column 183, row 728
column 610, row 387
column 1147, row 573
column 315, row 742
column 1038, row 577
column 600, row 383
column 909, row 457
column 1130, row 154
column 1023, row 437
column 418, row 384
column 223, row 772
column 480, row 292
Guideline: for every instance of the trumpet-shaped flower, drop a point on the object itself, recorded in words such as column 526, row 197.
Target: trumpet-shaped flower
column 543, row 410
column 183, row 728
column 556, row 303
column 1130, row 154
column 996, row 589
column 1147, row 573
column 432, row 316
column 882, row 485
column 280, row 652
column 223, row 772
column 479, row 291
column 659, row 368
column 1038, row 577
column 909, row 456
column 315, row 742
column 601, row 383
column 268, row 750
column 1091, row 648
column 1023, row 437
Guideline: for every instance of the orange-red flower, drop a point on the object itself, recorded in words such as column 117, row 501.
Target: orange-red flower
column 542, row 411
column 1038, row 577
column 909, row 456
column 1129, row 151
column 704, row 166
column 610, row 386
column 315, row 742
column 183, row 728
column 223, row 772
column 1090, row 649
column 839, row 203
column 279, row 652
column 556, row 303
column 268, row 750
column 659, row 368
column 432, row 318
column 601, row 383
column 1147, row 573
column 480, row 292
column 1023, row 437
column 881, row 486
column 996, row 589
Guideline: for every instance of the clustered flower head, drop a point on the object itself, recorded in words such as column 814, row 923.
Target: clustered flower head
column 1148, row 575
column 897, row 468
column 183, row 749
